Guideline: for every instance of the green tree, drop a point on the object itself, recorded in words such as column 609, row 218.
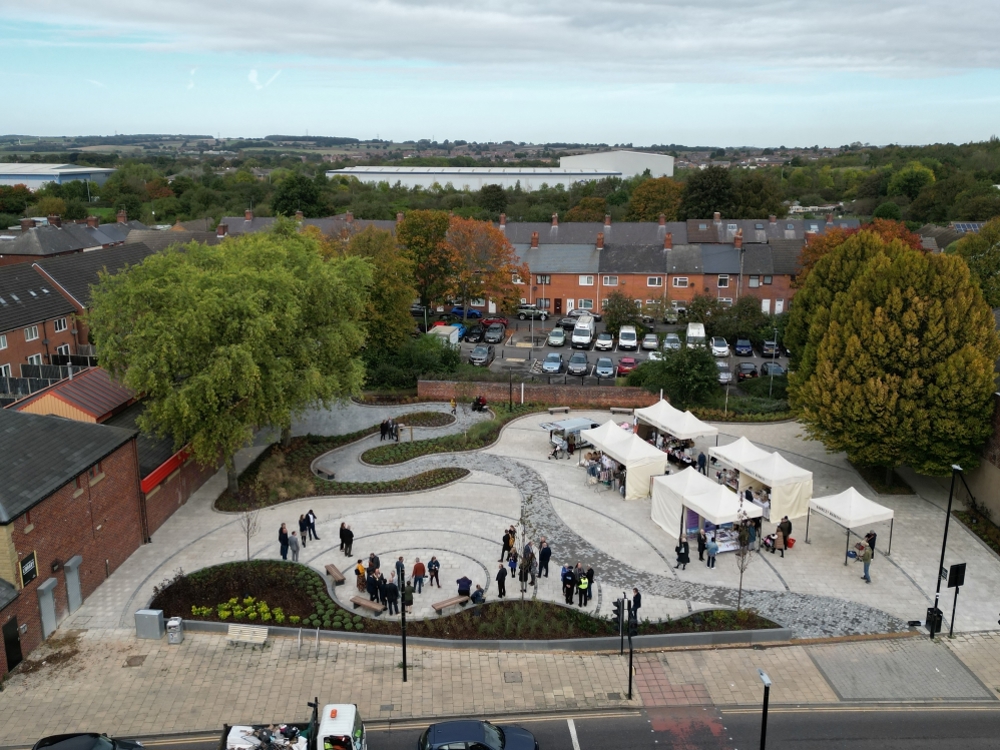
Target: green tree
column 297, row 193
column 388, row 309
column 591, row 208
column 483, row 263
column 744, row 319
column 493, row 198
column 903, row 370
column 620, row 311
column 888, row 210
column 224, row 340
column 702, row 309
column 910, row 180
column 981, row 252
column 706, row 192
column 688, row 377
column 757, row 195
column 651, row 198
column 422, row 233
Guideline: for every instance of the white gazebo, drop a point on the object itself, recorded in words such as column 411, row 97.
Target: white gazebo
column 790, row 485
column 641, row 460
column 851, row 509
column 737, row 453
column 683, row 425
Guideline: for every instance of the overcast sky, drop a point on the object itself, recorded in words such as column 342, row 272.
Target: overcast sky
column 724, row 72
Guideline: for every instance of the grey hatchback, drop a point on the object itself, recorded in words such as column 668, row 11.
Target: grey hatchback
column 476, row 735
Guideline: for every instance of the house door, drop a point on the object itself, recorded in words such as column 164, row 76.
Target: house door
column 765, row 306
column 12, row 643
column 779, row 306
column 558, row 306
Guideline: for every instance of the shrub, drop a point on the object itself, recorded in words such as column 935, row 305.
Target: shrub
column 294, row 619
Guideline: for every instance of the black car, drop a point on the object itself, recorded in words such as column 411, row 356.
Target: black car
column 745, row 371
column 743, row 348
column 772, row 368
column 475, row 334
column 84, row 741
column 578, row 364
column 568, row 323
column 476, row 735
column 494, row 334
column 579, row 312
column 482, row 356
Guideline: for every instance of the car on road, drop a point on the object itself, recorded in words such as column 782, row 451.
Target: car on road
column 496, row 320
column 557, row 337
column 84, row 741
column 772, row 368
column 578, row 364
column 745, row 371
column 567, row 324
column 529, row 312
column 553, row 363
column 483, row 355
column 458, row 313
column 604, row 368
column 474, row 335
column 720, row 347
column 672, row 341
column 743, row 348
column 650, row 342
column 579, row 312
column 626, row 365
column 476, row 735
column 628, row 338
column 605, row 342
column 495, row 334
column 725, row 374
column 656, row 357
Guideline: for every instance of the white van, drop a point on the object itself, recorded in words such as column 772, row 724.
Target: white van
column 584, row 332
column 628, row 338
column 695, row 335
column 341, row 728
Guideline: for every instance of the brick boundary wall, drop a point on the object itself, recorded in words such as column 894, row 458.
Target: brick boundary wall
column 597, row 396
column 164, row 499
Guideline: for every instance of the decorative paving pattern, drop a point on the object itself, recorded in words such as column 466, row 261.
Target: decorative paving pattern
column 657, row 689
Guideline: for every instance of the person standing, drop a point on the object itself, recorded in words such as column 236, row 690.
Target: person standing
column 303, row 528
column 522, row 575
column 382, row 592
column 870, row 538
column 293, row 546
column 506, row 545
column 636, row 603
column 392, row 596
column 544, row 555
column 283, row 541
column 702, row 543
column 371, row 585
column 703, row 463
column 512, row 550
column 866, row 558
column 532, row 563
column 582, row 587
column 569, row 585
column 713, row 550
column 419, row 571
column 512, row 562
column 343, row 526
column 359, row 573
column 348, row 541
column 454, row 406
column 400, row 569
column 312, row 518
column 383, row 429
column 786, row 529
column 434, row 569
column 779, row 541
column 408, row 597
column 501, row 581
column 590, row 583
column 683, row 554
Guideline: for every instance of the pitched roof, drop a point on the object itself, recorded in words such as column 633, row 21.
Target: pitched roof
column 720, row 259
column 92, row 392
column 153, row 451
column 550, row 259
column 42, row 454
column 758, row 260
column 585, row 232
column 75, row 274
column 625, row 259
column 158, row 240
column 685, row 259
column 27, row 298
column 785, row 257
column 50, row 240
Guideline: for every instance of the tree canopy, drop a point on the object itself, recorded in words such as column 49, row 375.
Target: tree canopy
column 620, row 311
column 688, row 377
column 981, row 251
column 706, row 192
column 818, row 245
column 297, row 193
column 649, row 199
column 422, row 233
column 482, row 261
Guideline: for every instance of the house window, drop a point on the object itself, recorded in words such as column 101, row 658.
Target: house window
column 63, row 350
column 789, row 226
column 610, row 281
column 754, row 282
column 680, row 281
column 543, row 279
column 5, row 371
column 604, row 303
column 654, row 281
column 478, row 302
column 758, row 226
column 35, row 359
column 31, row 333
column 542, row 303
column 95, row 473
column 514, row 279
column 638, row 303
column 60, row 325
column 767, row 279
column 703, row 227
column 650, row 302
column 585, row 304
column 723, row 280
column 732, row 227
column 586, row 281
column 725, row 301
column 3, row 341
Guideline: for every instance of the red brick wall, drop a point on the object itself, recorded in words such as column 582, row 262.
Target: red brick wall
column 18, row 350
column 538, row 393
column 174, row 491
column 101, row 524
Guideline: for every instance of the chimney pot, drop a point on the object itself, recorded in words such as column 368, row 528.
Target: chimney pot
column 717, row 217
column 809, row 236
column 772, row 218
column 122, row 216
column 248, row 214
column 349, row 217
column 600, row 240
column 668, row 241
column 829, row 218
column 503, row 220
column 663, row 220
column 534, row 239
column 222, row 230
column 399, row 217
column 55, row 220
column 607, row 220
column 299, row 216
column 93, row 222
column 27, row 224
column 555, row 220
column 738, row 241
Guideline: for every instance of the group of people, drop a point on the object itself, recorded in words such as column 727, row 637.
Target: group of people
column 386, row 591
column 865, row 553
column 290, row 543
column 389, row 430
column 528, row 565
column 576, row 580
column 778, row 541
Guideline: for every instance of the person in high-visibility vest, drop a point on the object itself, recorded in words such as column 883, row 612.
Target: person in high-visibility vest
column 581, row 587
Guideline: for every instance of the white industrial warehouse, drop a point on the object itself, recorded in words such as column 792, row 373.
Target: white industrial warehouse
column 35, row 176
column 571, row 169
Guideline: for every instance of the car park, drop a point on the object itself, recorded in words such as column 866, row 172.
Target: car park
column 672, row 341
column 720, row 347
column 626, row 365
column 557, row 337
column 578, row 364
column 494, row 334
column 604, row 368
column 670, row 317
column 770, row 349
column 567, row 323
column 772, row 368
column 605, row 342
column 471, row 313
column 583, row 332
column 483, row 355
column 743, row 348
column 496, row 320
column 476, row 735
column 553, row 363
column 628, row 338
column 725, row 374
column 474, row 335
column 579, row 311
column 656, row 357
column 695, row 336
column 650, row 342
column 745, row 371
column 529, row 312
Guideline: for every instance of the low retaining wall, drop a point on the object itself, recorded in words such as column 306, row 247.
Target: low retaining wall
column 678, row 640
column 599, row 396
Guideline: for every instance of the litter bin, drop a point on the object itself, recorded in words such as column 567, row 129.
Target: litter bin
column 149, row 624
column 175, row 630
column 934, row 617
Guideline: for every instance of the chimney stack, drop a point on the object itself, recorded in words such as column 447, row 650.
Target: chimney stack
column 772, row 218
column 663, row 220
column 829, row 218
column 248, row 214
column 600, row 240
column 350, row 217
column 93, row 222
column 534, row 239
column 607, row 220
column 668, row 241
column 55, row 220
column 810, row 236
column 503, row 221
column 555, row 220
column 399, row 217
column 222, row 230
column 299, row 216
column 27, row 224
column 122, row 216
column 717, row 217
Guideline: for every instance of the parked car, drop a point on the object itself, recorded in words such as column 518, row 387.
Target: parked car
column 567, row 324
column 743, row 348
column 671, row 316
column 605, row 342
column 746, row 371
column 672, row 341
column 656, row 357
column 720, row 347
column 496, row 320
column 628, row 338
column 604, row 368
column 475, row 334
column 626, row 365
column 770, row 349
column 472, row 313
column 553, row 363
column 495, row 334
column 476, row 735
column 577, row 312
column 483, row 355
column 85, row 741
column 578, row 364
column 650, row 342
column 772, row 368
column 527, row 312
column 557, row 337
column 725, row 374
column 418, row 311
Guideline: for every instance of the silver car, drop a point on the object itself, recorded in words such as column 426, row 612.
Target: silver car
column 725, row 374
column 672, row 341
column 557, row 337
column 604, row 368
column 720, row 347
column 553, row 364
column 650, row 342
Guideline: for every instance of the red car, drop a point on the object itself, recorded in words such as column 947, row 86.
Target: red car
column 626, row 365
column 487, row 322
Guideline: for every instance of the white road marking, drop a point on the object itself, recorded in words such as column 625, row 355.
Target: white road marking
column 572, row 734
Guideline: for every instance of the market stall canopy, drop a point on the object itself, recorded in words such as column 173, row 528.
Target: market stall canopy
column 851, row 509
column 775, row 471
column 669, row 493
column 790, row 486
column 738, row 453
column 641, row 460
column 683, row 425
column 721, row 505
column 605, row 437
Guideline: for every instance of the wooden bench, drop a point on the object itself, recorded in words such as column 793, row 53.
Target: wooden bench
column 374, row 607
column 462, row 600
column 252, row 634
column 621, row 410
column 556, row 409
column 335, row 575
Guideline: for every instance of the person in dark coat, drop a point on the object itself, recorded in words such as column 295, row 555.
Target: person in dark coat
column 544, row 555
column 408, row 597
column 703, row 463
column 683, row 554
column 522, row 575
column 392, row 596
column 348, row 541
column 303, row 529
column 383, row 430
column 870, row 538
column 343, row 525
column 501, row 581
column 312, row 518
column 371, row 585
column 569, row 585
column 590, row 584
column 464, row 586
column 786, row 528
column 400, row 568
column 434, row 570
column 636, row 603
column 283, row 541
column 702, row 543
column 506, row 545
column 373, row 562
column 382, row 592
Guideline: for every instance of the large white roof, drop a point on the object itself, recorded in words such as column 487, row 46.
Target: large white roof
column 47, row 169
column 558, row 171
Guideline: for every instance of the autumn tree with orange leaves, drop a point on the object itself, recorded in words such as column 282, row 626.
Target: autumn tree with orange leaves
column 818, row 246
column 483, row 263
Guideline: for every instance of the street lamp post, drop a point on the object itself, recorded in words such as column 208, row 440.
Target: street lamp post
column 402, row 619
column 767, row 694
column 774, row 359
column 934, row 621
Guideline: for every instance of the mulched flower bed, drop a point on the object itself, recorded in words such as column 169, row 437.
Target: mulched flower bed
column 426, row 419
column 980, row 525
column 425, row 480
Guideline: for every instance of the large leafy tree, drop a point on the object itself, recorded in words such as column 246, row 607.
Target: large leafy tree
column 688, row 377
column 422, row 233
column 591, row 208
column 819, row 245
column 981, row 252
column 653, row 197
column 620, row 310
column 910, row 180
column 297, row 193
column 757, row 195
column 706, row 192
column 482, row 261
column 388, row 309
column 902, row 370
column 493, row 198
column 223, row 340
